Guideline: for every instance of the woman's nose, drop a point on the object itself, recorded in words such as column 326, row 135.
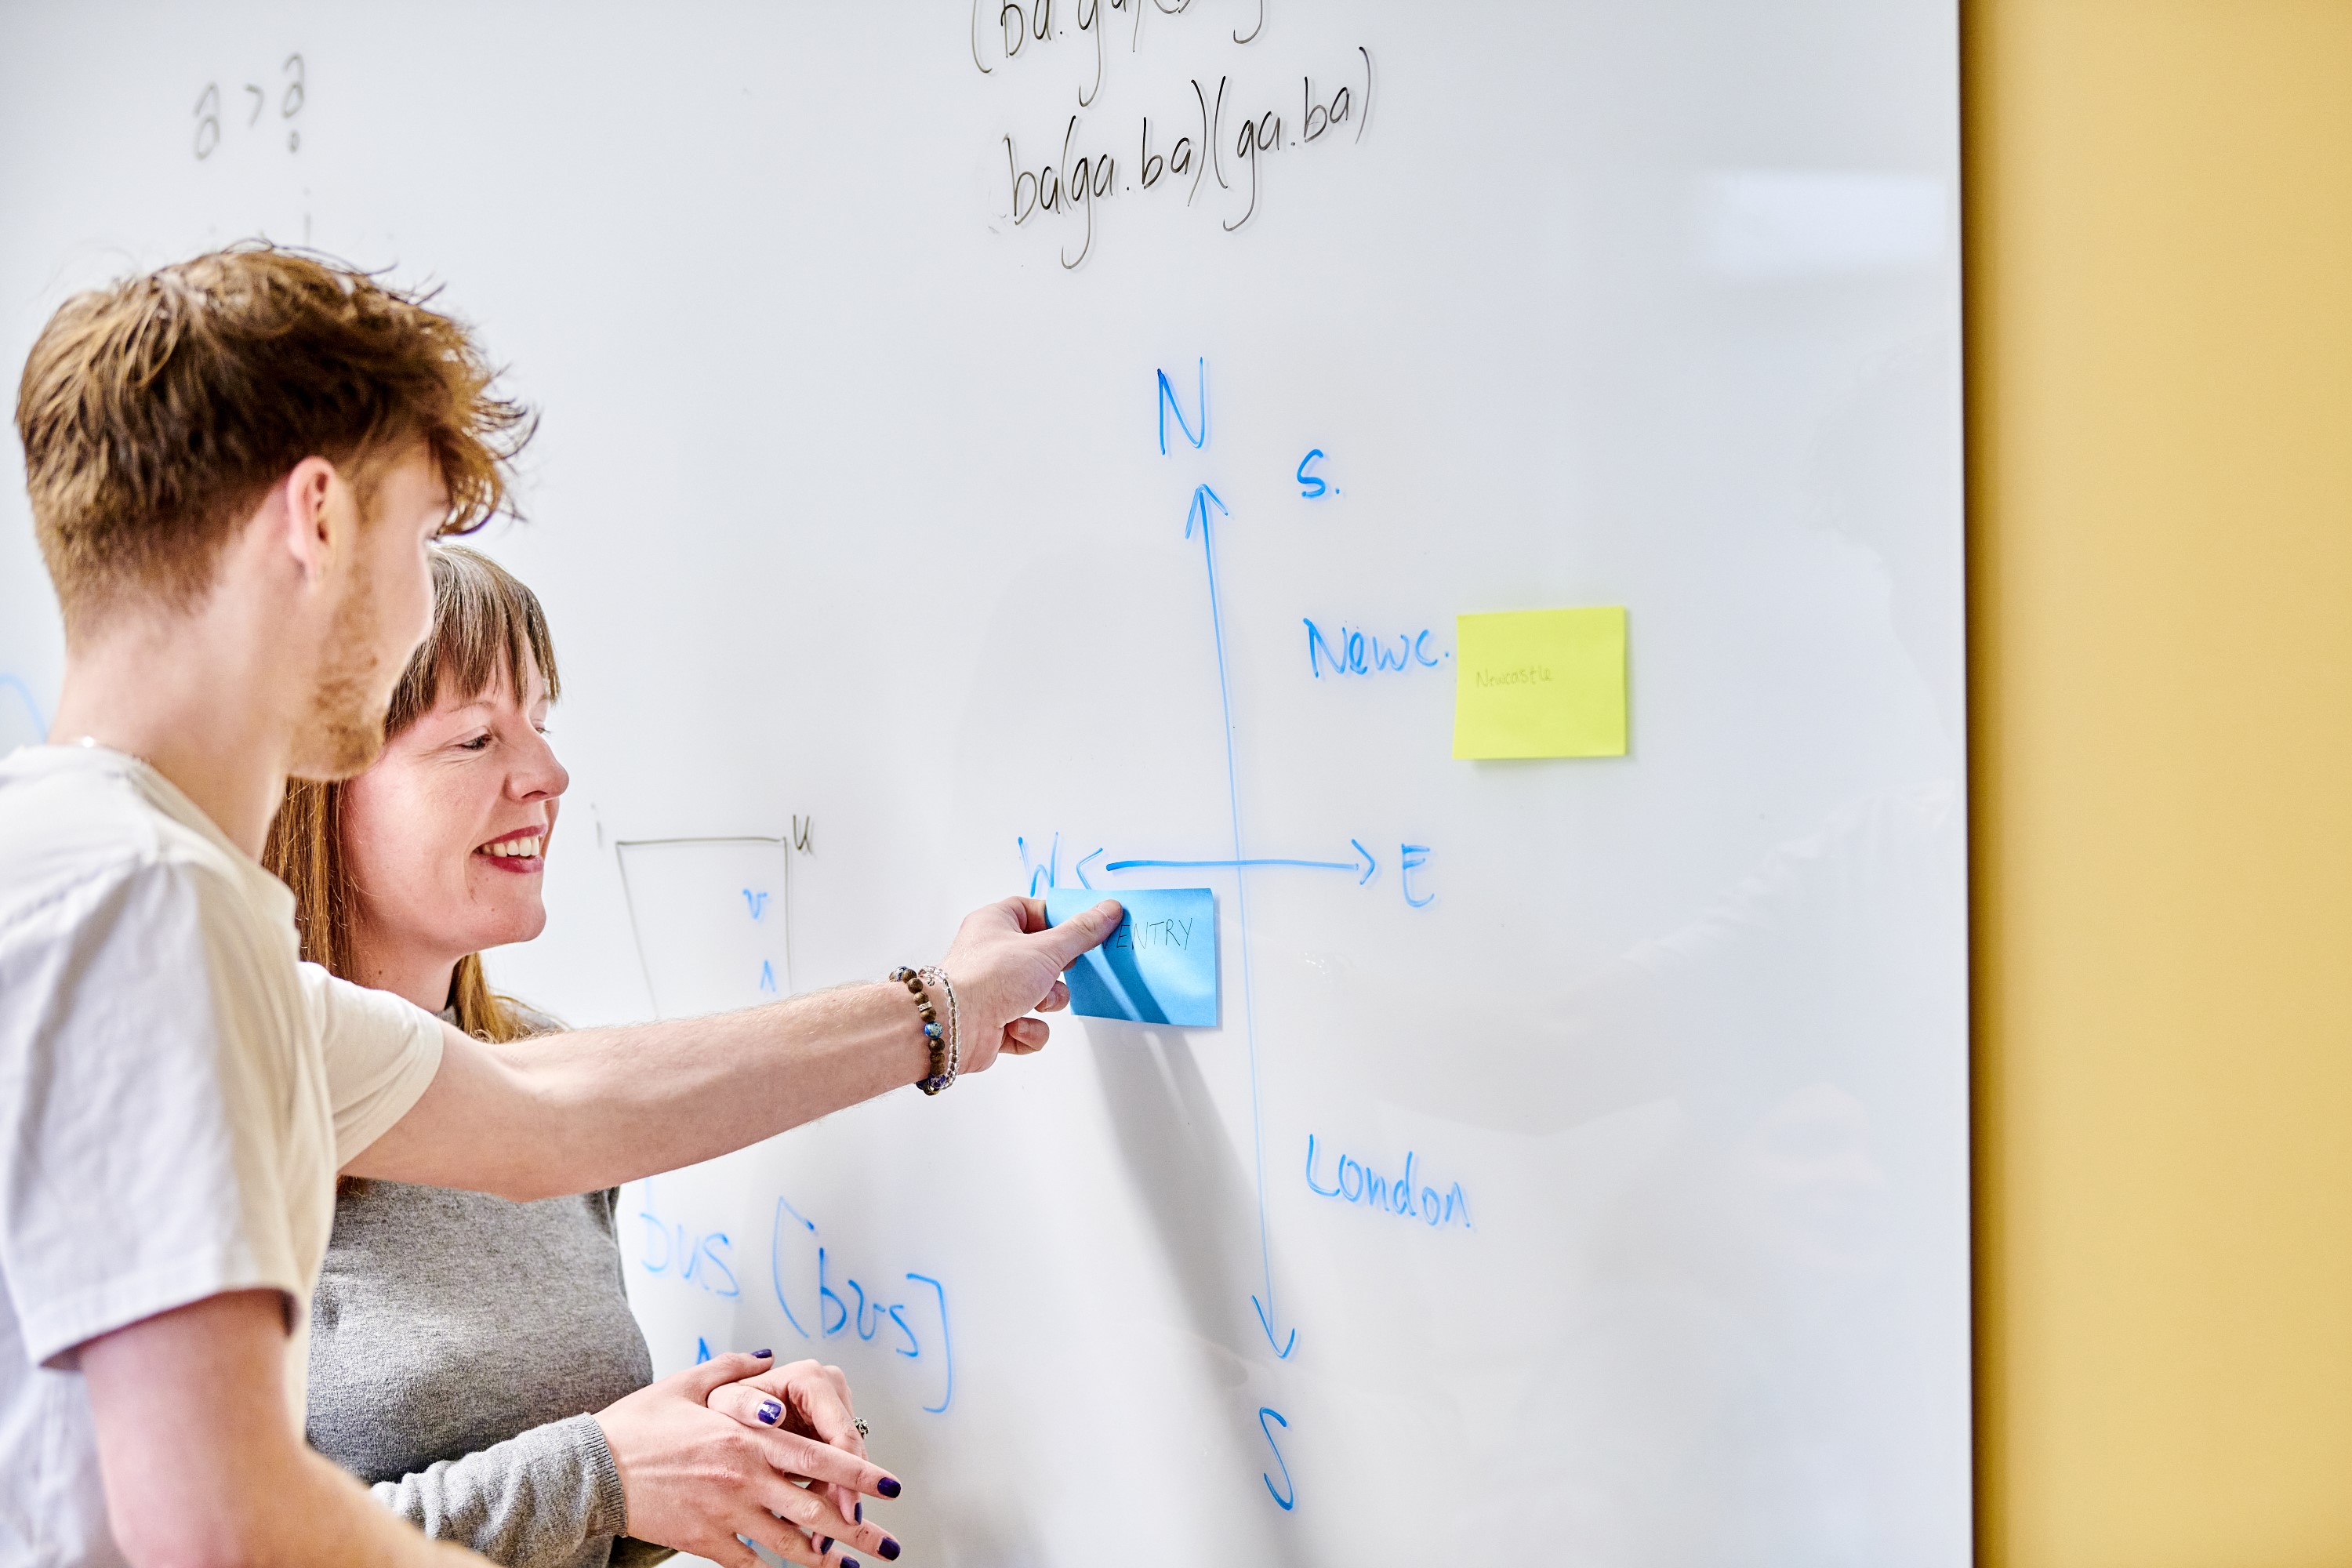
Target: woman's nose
column 540, row 777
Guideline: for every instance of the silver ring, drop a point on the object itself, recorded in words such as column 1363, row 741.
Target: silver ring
column 859, row 1421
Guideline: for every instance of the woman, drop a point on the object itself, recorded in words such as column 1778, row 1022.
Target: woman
column 460, row 1341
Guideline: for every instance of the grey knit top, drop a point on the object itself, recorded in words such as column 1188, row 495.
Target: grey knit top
column 458, row 1345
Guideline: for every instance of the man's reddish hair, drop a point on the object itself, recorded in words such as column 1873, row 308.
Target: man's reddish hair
column 157, row 412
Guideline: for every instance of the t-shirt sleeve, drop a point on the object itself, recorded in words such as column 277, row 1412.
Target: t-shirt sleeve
column 147, row 1087
column 382, row 1051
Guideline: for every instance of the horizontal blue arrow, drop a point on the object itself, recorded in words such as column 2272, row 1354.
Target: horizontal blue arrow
column 1366, row 865
column 1311, row 864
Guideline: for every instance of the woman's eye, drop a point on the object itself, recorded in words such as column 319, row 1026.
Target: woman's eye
column 479, row 743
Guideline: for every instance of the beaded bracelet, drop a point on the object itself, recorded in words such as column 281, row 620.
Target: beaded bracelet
column 935, row 975
column 932, row 1033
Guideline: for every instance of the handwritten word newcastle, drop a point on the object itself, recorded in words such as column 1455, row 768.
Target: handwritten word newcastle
column 1524, row 675
column 1349, row 651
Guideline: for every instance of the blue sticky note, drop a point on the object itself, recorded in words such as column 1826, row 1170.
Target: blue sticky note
column 1158, row 967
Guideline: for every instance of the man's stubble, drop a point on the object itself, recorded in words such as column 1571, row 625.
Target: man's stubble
column 343, row 731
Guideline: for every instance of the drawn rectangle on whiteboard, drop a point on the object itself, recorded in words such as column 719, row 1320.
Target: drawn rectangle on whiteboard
column 1158, row 967
column 1540, row 683
column 708, row 916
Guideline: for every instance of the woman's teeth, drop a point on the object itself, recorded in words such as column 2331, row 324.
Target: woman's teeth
column 514, row 847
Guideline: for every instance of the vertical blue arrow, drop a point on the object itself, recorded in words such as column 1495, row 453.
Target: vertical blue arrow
column 1203, row 497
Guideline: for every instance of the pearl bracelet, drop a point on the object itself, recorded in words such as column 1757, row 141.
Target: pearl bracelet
column 934, row 975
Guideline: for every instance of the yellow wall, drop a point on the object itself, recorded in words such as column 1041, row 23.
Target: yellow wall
column 2160, row 310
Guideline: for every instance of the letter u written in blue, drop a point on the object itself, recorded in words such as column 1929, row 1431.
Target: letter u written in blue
column 829, row 1301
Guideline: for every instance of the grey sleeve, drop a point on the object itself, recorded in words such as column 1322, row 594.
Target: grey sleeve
column 532, row 1502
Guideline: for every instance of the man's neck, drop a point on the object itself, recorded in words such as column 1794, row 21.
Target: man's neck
column 195, row 703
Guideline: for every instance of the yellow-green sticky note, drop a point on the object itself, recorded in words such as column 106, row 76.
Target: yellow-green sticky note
column 1540, row 683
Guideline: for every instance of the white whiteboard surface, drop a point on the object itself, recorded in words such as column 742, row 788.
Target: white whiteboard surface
column 851, row 513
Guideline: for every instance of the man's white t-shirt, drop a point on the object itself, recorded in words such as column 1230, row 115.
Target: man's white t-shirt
column 177, row 1092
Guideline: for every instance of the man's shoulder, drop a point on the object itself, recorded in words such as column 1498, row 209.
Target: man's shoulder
column 77, row 835
column 364, row 1030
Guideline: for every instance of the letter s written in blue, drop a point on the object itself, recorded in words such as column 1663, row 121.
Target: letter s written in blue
column 1311, row 485
column 1285, row 1497
column 715, row 1247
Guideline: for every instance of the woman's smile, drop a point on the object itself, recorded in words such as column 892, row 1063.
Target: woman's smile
column 522, row 852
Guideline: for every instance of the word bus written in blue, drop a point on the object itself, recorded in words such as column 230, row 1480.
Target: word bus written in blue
column 900, row 1313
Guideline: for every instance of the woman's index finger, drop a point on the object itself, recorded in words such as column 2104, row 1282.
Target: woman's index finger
column 827, row 1465
column 791, row 1452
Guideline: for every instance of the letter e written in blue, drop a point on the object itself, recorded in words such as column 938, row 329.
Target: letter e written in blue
column 1411, row 858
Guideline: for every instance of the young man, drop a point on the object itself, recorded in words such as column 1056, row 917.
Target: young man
column 235, row 467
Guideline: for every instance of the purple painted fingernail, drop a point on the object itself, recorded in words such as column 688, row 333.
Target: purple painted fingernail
column 761, row 1356
column 823, row 1544
column 770, row 1411
column 860, row 1517
column 849, row 1562
column 889, row 1549
column 888, row 1487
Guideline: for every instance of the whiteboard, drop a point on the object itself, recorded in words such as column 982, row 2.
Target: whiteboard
column 853, row 517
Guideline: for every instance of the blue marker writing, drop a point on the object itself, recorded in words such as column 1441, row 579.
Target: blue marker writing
column 1285, row 1497
column 1411, row 858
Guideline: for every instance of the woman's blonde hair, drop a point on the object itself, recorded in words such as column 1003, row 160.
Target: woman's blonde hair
column 485, row 623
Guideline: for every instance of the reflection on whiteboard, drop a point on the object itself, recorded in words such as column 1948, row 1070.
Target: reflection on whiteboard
column 708, row 916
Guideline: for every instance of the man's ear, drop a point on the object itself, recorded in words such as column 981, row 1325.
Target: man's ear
column 311, row 493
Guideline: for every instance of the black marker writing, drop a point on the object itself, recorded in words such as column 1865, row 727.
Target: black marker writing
column 1217, row 140
column 295, row 76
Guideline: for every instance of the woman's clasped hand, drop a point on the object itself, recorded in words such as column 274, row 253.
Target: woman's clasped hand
column 739, row 1447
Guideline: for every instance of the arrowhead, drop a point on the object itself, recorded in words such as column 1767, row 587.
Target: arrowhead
column 1370, row 865
column 1282, row 1348
column 1202, row 495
